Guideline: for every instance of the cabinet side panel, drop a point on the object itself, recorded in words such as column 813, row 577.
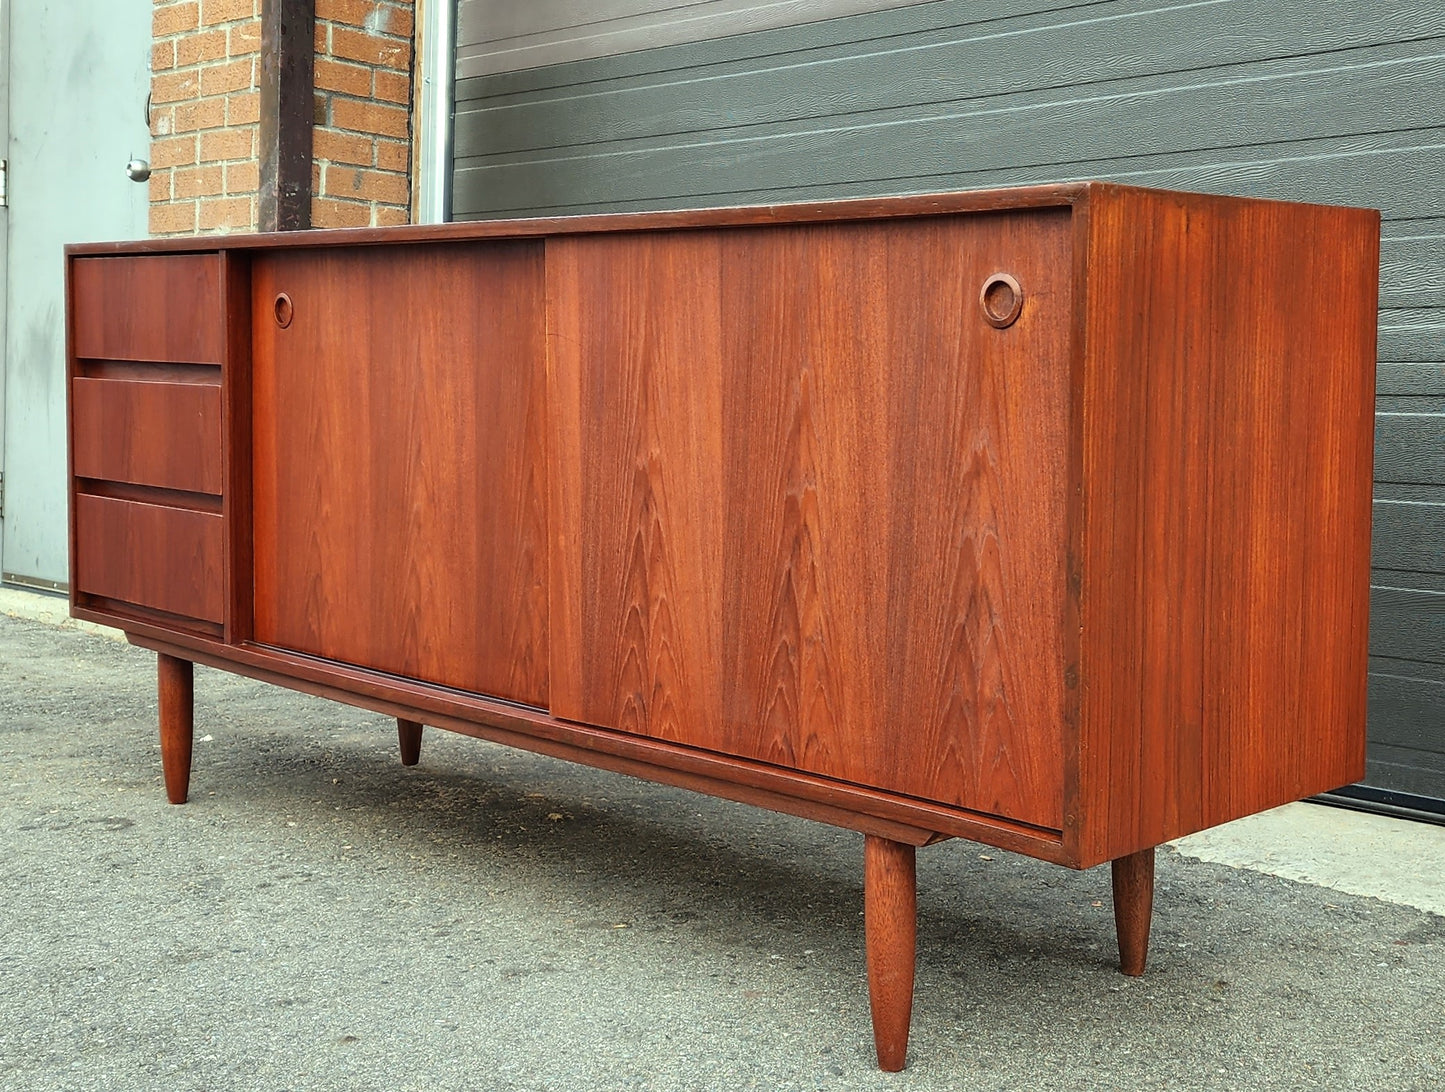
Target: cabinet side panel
column 1288, row 592
column 399, row 454
column 1146, row 393
column 815, row 503
column 1228, row 394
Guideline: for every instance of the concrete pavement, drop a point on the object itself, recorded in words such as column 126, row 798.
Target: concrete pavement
column 319, row 917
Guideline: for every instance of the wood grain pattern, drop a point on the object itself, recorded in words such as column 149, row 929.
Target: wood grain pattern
column 408, row 736
column 149, row 432
column 1286, row 656
column 176, row 686
column 810, row 506
column 143, row 307
column 165, row 558
column 1226, row 485
column 890, row 925
column 400, row 463
column 1133, row 879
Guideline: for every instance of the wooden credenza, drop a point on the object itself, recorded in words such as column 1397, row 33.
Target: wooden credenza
column 1039, row 517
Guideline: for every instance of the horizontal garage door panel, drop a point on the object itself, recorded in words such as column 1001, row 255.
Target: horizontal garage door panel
column 1412, row 379
column 1410, row 447
column 1415, row 336
column 504, row 35
column 1402, row 709
column 1405, row 769
column 1016, row 64
column 1406, row 710
column 1387, row 88
column 1412, row 267
column 913, row 17
column 1409, row 536
column 1407, row 623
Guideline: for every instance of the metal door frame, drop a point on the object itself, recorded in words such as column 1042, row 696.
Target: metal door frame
column 434, row 103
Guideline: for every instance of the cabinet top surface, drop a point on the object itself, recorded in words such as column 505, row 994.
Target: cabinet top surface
column 1061, row 195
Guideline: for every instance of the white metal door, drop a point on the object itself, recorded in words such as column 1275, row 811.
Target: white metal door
column 78, row 76
column 4, row 239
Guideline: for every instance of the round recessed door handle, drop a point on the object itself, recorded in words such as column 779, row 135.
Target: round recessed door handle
column 1002, row 300
column 284, row 309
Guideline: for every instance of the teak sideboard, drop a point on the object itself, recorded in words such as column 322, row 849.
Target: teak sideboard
column 1039, row 517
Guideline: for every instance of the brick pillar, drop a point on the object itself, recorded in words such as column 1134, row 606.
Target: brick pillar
column 361, row 173
column 205, row 114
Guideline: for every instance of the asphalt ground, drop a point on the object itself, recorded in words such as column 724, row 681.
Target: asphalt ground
column 319, row 917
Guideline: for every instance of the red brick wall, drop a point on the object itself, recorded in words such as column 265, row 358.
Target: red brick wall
column 205, row 102
column 361, row 171
column 204, row 116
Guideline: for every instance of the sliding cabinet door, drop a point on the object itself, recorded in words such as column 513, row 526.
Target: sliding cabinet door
column 400, row 479
column 811, row 502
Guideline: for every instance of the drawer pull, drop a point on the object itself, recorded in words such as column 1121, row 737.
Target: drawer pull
column 284, row 309
column 1001, row 299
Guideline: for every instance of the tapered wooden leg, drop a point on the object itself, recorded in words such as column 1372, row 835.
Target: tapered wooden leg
column 890, row 924
column 1133, row 907
column 409, row 734
column 177, row 706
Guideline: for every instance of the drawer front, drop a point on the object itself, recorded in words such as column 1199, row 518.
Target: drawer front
column 812, row 496
column 161, row 434
column 162, row 307
column 150, row 555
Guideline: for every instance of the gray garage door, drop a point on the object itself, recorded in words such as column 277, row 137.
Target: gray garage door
column 1293, row 99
